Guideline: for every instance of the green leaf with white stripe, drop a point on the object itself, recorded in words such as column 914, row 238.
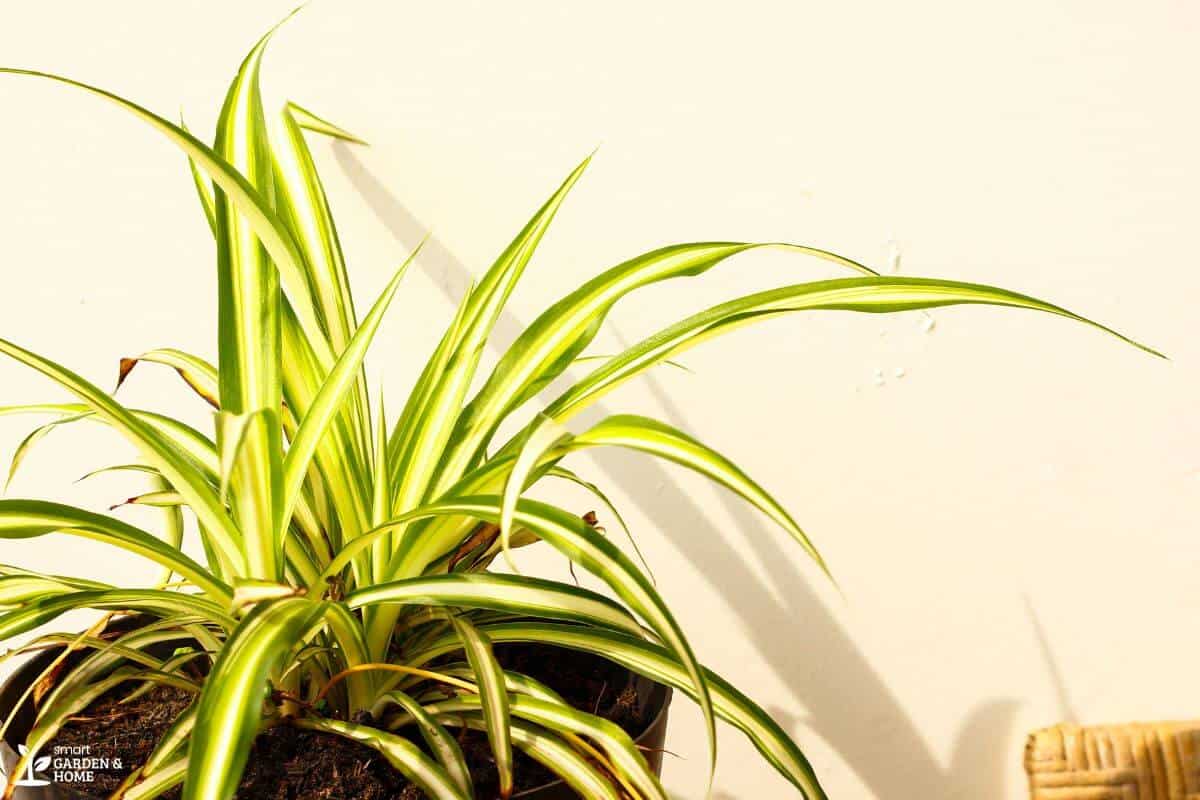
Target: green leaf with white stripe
column 422, row 457
column 381, row 491
column 23, row 519
column 108, row 655
column 556, row 338
column 249, row 329
column 879, row 295
column 402, row 754
column 554, row 754
column 157, row 451
column 493, row 696
column 152, row 601
column 545, row 435
column 203, row 187
column 172, row 533
column 326, row 404
column 535, row 597
column 162, row 781
column 195, row 371
column 565, row 720
column 229, row 708
column 311, row 122
column 303, row 205
column 275, row 236
column 657, row 663
column 585, row 546
column 9, row 570
column 347, row 630
column 197, row 447
column 16, row 590
column 173, row 742
column 440, row 742
column 425, row 427
column 563, row 473
column 647, row 435
column 420, row 398
column 32, row 439
column 301, row 202
column 52, row 717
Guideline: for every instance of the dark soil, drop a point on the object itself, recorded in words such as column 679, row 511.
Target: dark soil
column 290, row 764
column 110, row 729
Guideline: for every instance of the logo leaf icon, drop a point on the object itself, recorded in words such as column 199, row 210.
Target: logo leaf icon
column 41, row 764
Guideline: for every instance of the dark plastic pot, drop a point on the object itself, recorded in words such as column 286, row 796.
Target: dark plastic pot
column 14, row 689
column 10, row 695
column 655, row 697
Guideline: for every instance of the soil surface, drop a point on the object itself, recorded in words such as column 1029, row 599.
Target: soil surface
column 290, row 764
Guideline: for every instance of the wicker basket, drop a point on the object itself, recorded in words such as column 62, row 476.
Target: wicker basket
column 1151, row 761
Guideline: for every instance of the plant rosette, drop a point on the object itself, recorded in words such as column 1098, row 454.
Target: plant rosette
column 345, row 583
column 92, row 763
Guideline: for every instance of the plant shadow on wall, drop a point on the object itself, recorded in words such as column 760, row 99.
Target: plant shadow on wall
column 845, row 698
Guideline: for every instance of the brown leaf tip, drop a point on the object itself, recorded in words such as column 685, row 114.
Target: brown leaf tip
column 127, row 365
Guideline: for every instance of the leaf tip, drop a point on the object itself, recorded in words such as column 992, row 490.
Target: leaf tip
column 126, row 366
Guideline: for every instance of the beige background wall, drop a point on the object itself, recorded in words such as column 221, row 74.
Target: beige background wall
column 1012, row 522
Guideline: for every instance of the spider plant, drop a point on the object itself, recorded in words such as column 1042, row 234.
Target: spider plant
column 346, row 550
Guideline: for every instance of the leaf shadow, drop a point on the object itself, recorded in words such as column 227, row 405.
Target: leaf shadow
column 849, row 704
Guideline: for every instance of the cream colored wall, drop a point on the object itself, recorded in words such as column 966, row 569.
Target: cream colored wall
column 1012, row 522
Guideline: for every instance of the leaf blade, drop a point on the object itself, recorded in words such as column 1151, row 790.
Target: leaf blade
column 657, row 663
column 880, row 294
column 326, row 404
column 440, row 742
column 586, row 547
column 524, row 595
column 21, row 519
column 493, row 695
column 400, row 753
column 182, row 475
column 559, row 335
column 651, row 436
column 229, row 708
